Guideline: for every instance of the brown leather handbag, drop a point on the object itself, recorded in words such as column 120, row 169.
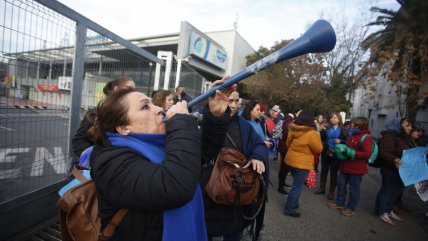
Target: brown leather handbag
column 230, row 183
column 79, row 220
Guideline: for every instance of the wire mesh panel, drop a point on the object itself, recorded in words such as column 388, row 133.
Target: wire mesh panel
column 36, row 50
column 37, row 53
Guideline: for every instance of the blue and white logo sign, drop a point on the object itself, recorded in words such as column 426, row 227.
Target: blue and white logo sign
column 207, row 50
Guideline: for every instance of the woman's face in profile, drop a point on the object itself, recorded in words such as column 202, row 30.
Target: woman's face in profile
column 414, row 134
column 407, row 127
column 169, row 102
column 255, row 112
column 144, row 117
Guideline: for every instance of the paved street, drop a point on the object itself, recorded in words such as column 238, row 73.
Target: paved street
column 320, row 223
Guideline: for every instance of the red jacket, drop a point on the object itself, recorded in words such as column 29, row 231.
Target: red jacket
column 363, row 151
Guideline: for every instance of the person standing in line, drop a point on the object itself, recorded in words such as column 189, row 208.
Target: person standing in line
column 303, row 142
column 321, row 129
column 335, row 134
column 252, row 113
column 395, row 139
column 423, row 138
column 353, row 169
column 273, row 118
column 282, row 151
column 223, row 220
column 163, row 98
column 81, row 140
column 180, row 95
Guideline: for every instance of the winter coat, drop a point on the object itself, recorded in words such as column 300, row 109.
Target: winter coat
column 285, row 125
column 363, row 151
column 302, row 143
column 223, row 219
column 81, row 140
column 391, row 146
column 126, row 179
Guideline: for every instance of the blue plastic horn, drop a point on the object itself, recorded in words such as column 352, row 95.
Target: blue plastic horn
column 319, row 38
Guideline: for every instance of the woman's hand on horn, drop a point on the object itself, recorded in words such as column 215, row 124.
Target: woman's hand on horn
column 220, row 101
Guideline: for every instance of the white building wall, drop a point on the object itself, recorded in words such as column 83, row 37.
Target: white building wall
column 236, row 46
column 381, row 104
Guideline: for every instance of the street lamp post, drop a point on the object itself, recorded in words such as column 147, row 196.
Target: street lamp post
column 150, row 79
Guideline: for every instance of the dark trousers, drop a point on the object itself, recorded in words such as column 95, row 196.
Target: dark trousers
column 283, row 170
column 391, row 189
column 329, row 163
column 230, row 237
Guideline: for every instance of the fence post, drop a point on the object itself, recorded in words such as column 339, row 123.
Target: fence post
column 78, row 77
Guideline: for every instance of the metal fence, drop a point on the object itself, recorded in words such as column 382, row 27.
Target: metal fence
column 53, row 66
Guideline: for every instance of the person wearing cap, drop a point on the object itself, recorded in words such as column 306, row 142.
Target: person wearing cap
column 353, row 167
column 275, row 114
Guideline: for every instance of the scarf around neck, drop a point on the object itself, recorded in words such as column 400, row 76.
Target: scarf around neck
column 186, row 223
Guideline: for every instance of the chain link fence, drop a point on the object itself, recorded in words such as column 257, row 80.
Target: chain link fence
column 54, row 64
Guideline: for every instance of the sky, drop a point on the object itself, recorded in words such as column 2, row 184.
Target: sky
column 259, row 22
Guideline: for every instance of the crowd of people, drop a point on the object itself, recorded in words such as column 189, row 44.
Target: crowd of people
column 151, row 156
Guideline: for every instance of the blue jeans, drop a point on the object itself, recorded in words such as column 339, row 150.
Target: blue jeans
column 354, row 182
column 230, row 237
column 299, row 177
column 391, row 188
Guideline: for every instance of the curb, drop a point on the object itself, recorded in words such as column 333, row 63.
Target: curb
column 30, row 107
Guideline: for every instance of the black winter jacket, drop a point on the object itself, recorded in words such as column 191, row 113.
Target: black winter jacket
column 126, row 179
column 223, row 219
column 81, row 140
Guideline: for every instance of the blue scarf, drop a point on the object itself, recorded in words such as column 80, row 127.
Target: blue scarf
column 258, row 127
column 186, row 223
column 353, row 132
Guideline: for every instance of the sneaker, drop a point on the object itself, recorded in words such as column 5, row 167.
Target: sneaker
column 385, row 218
column 347, row 213
column 335, row 206
column 282, row 191
column 394, row 216
column 294, row 215
column 288, row 187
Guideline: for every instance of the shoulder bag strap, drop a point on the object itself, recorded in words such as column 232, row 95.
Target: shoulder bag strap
column 262, row 200
column 110, row 228
column 363, row 138
column 76, row 173
column 231, row 141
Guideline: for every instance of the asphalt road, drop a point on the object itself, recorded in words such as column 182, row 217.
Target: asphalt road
column 33, row 150
column 318, row 222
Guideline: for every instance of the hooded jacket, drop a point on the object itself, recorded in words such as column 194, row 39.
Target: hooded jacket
column 393, row 143
column 302, row 143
